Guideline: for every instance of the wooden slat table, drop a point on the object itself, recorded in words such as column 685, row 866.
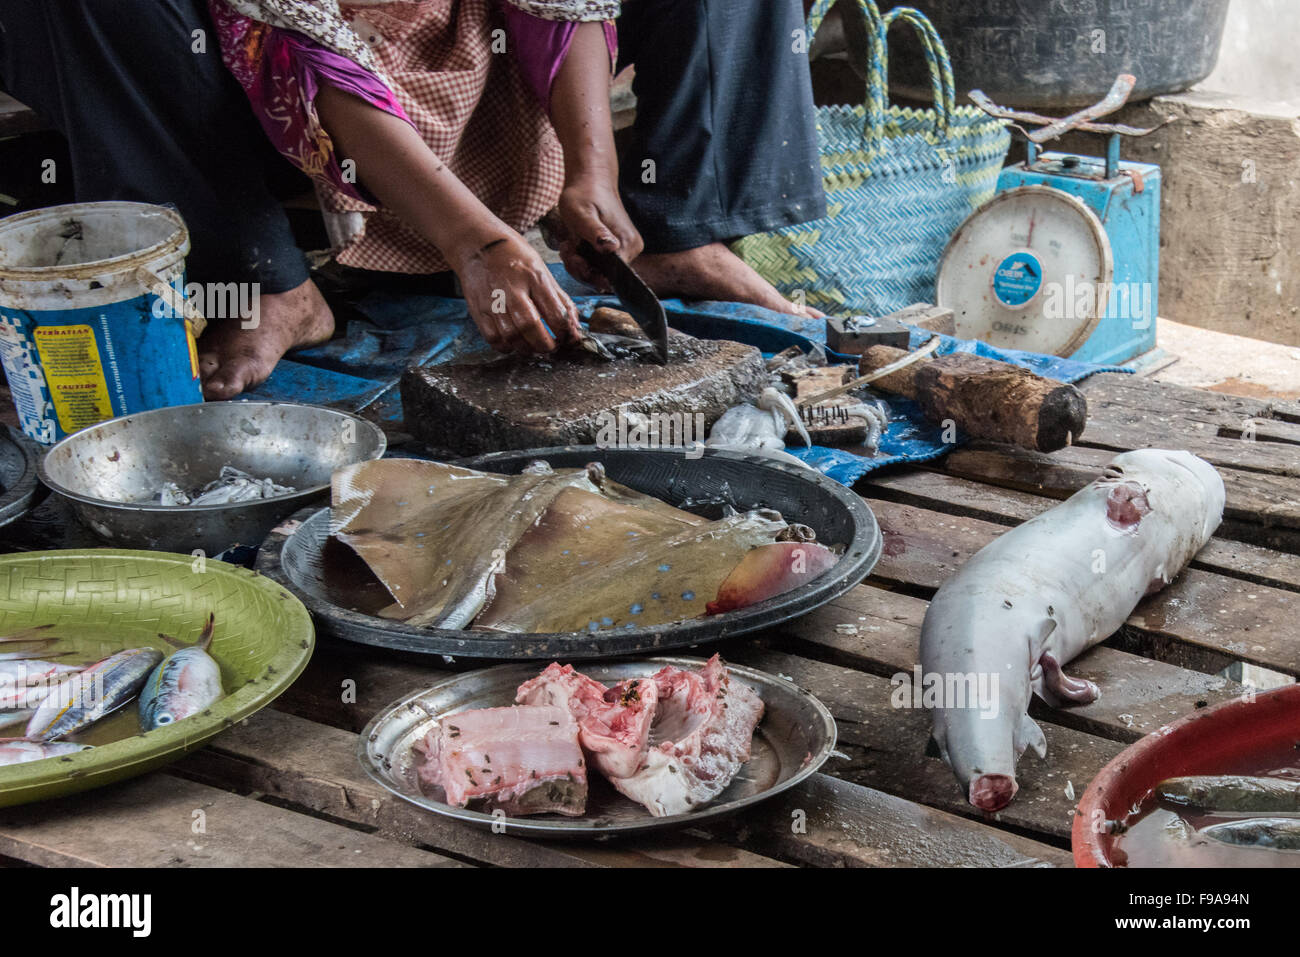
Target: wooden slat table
column 285, row 787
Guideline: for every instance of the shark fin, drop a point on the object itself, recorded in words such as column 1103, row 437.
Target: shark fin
column 1030, row 735
column 934, row 748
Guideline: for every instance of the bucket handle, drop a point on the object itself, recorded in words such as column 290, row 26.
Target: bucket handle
column 178, row 303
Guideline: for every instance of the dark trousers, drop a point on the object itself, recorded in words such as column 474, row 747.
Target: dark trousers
column 149, row 119
column 724, row 142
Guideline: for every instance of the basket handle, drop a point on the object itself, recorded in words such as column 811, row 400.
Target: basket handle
column 936, row 56
column 877, row 66
column 180, row 305
column 873, row 130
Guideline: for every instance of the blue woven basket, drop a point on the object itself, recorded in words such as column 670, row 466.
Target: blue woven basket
column 898, row 181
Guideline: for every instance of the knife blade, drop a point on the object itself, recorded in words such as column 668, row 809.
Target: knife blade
column 637, row 298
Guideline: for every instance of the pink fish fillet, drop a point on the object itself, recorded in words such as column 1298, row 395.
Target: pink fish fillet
column 704, row 725
column 523, row 760
column 614, row 723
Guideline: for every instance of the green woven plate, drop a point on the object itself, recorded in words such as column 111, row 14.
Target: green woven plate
column 104, row 600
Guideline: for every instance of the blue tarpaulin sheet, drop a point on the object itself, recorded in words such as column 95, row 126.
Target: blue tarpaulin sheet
column 360, row 369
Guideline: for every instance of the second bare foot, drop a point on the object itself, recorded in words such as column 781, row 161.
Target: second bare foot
column 713, row 272
column 233, row 359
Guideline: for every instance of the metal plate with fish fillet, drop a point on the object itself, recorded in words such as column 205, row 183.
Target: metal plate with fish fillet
column 795, row 737
column 344, row 597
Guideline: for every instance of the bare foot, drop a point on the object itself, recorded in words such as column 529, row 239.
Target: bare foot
column 713, row 272
column 233, row 359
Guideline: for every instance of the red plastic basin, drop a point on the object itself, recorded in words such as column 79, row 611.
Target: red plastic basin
column 1205, row 742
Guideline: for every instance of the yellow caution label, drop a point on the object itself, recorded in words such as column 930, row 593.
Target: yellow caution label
column 74, row 374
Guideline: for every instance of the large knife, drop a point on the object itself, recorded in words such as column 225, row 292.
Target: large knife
column 637, row 298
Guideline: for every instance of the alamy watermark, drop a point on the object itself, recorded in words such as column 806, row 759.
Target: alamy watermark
column 218, row 300
column 935, row 689
column 1133, row 302
column 626, row 429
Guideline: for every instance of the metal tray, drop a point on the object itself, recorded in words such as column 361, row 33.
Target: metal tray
column 340, row 591
column 796, row 735
column 19, row 489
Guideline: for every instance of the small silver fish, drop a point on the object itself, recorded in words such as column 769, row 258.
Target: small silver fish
column 23, row 678
column 1275, row 833
column 98, row 690
column 186, row 682
column 28, row 691
column 20, row 752
column 1232, row 793
column 232, row 485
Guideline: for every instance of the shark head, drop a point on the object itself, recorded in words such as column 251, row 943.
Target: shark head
column 983, row 750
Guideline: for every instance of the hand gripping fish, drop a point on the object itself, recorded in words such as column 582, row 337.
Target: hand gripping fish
column 1027, row 603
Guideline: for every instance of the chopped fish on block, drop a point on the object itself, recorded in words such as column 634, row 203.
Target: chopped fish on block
column 700, row 737
column 523, row 760
column 613, row 723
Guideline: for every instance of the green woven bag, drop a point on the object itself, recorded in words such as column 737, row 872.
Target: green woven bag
column 898, row 181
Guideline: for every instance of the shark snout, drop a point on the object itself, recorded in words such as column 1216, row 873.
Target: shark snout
column 992, row 792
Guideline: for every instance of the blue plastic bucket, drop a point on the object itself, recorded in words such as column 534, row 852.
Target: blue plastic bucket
column 90, row 315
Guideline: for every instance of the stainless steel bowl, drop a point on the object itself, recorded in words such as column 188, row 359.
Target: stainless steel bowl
column 112, row 472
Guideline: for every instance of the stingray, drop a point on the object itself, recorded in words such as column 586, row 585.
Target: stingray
column 592, row 566
column 435, row 535
column 542, row 551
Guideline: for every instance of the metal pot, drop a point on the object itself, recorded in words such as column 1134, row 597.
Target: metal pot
column 1031, row 53
column 111, row 472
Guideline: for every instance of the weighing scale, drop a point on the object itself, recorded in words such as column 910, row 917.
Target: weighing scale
column 1064, row 260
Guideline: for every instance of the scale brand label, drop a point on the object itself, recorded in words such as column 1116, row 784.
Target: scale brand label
column 1017, row 279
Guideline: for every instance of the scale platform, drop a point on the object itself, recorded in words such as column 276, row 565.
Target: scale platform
column 1064, row 260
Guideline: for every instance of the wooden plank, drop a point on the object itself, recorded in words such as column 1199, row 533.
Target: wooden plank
column 878, row 631
column 886, row 747
column 148, row 822
column 1113, row 395
column 1220, row 619
column 955, row 496
column 762, row 835
column 314, row 766
column 1200, row 438
column 828, row 822
column 1261, row 509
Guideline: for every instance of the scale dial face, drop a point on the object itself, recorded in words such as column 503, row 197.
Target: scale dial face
column 1030, row 269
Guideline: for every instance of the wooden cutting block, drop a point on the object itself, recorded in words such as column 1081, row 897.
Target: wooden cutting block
column 540, row 401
